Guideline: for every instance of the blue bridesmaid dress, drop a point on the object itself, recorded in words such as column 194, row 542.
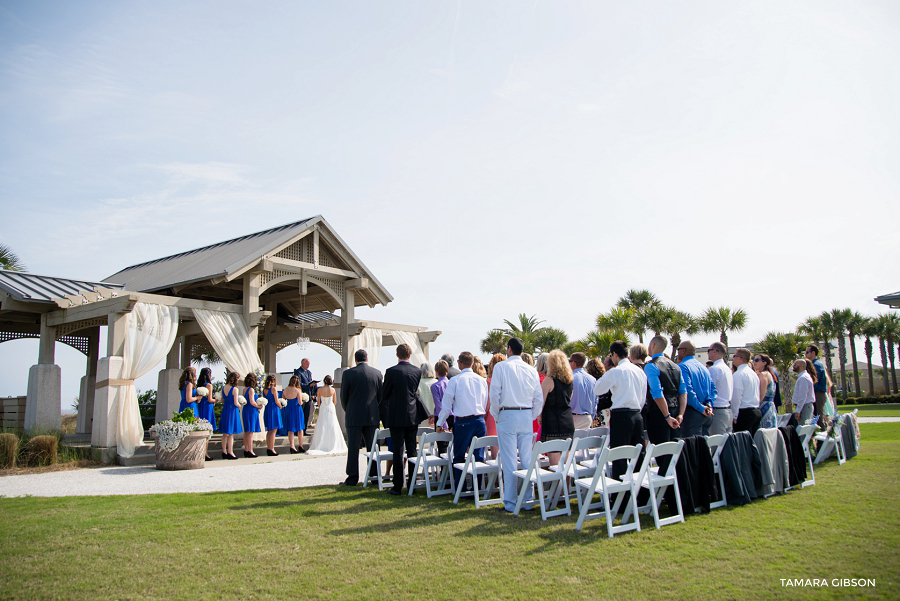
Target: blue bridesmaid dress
column 230, row 421
column 184, row 404
column 294, row 416
column 282, row 431
column 272, row 412
column 250, row 415
column 207, row 410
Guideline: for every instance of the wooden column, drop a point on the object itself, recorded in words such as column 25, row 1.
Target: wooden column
column 47, row 348
column 174, row 357
column 269, row 347
column 86, row 391
column 346, row 318
column 251, row 303
column 185, row 352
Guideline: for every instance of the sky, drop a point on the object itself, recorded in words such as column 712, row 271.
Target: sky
column 483, row 159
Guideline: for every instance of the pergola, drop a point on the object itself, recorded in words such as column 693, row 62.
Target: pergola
column 281, row 281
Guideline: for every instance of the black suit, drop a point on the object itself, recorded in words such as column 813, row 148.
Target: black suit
column 398, row 412
column 360, row 398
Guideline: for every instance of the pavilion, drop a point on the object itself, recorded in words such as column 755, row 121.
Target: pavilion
column 245, row 298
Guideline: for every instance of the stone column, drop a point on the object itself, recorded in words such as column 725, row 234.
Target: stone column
column 88, row 382
column 168, row 396
column 337, row 390
column 424, row 346
column 106, row 409
column 42, row 411
column 346, row 319
column 270, row 348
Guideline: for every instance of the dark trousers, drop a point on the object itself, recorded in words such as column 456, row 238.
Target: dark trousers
column 355, row 436
column 694, row 423
column 307, row 406
column 442, row 446
column 626, row 427
column 401, row 437
column 464, row 430
column 748, row 421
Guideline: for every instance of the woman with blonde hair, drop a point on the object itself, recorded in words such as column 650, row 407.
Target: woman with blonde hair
column 478, row 367
column 490, row 425
column 293, row 413
column 557, row 422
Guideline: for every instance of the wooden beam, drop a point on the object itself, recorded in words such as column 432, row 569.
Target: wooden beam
column 357, row 283
column 293, row 295
column 392, row 326
column 7, row 303
column 327, row 332
column 316, row 246
column 292, row 265
column 121, row 304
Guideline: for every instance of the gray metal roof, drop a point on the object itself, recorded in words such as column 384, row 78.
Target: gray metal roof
column 892, row 300
column 41, row 288
column 207, row 262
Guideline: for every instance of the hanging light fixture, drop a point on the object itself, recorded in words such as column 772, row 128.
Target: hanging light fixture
column 302, row 340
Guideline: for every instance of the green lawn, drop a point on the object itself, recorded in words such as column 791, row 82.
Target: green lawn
column 885, row 410
column 326, row 543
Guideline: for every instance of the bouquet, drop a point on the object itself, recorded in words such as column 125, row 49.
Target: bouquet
column 218, row 397
column 203, row 391
column 241, row 401
column 304, row 396
column 262, row 402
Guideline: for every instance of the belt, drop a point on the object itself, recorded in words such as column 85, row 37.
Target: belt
column 515, row 408
column 581, row 414
column 468, row 416
column 624, row 409
column 721, row 406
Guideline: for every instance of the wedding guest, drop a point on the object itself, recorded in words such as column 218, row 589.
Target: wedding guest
column 516, row 401
column 596, row 368
column 584, row 401
column 230, row 420
column 628, row 385
column 437, row 393
column 271, row 414
column 746, row 391
column 398, row 410
column 207, row 405
column 540, row 365
column 452, row 371
column 701, row 392
column 725, row 407
column 250, row 414
column 556, row 418
column 187, row 386
column 804, row 390
column 466, row 399
column 490, row 423
column 293, row 414
column 821, row 387
column 527, row 358
column 360, row 393
column 666, row 394
column 762, row 365
column 425, row 383
column 477, row 367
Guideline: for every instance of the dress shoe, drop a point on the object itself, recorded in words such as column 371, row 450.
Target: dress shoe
column 294, row 451
column 271, row 453
column 250, row 454
column 232, row 457
column 207, row 458
column 301, row 450
column 347, row 484
column 394, row 491
column 225, row 455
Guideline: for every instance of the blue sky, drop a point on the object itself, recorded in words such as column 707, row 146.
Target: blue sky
column 483, row 158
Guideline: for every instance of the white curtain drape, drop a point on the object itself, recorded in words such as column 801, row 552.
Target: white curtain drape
column 417, row 357
column 370, row 341
column 230, row 337
column 149, row 334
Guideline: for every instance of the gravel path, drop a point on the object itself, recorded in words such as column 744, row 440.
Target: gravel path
column 284, row 471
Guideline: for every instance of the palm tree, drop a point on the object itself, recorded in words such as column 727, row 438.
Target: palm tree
column 854, row 326
column 869, row 328
column 830, row 331
column 723, row 320
column 680, row 322
column 548, row 339
column 210, row 358
column 638, row 301
column 839, row 320
column 494, row 342
column 880, row 327
column 784, row 349
column 596, row 343
column 655, row 318
column 892, row 333
column 9, row 260
column 812, row 328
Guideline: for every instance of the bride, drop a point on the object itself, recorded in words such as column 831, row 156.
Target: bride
column 327, row 437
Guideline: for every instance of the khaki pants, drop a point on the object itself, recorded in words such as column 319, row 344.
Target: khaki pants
column 582, row 422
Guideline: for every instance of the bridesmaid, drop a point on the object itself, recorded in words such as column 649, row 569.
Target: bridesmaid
column 272, row 414
column 230, row 421
column 293, row 413
column 250, row 414
column 206, row 405
column 187, row 384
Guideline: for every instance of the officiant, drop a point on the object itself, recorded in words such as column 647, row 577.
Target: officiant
column 307, row 385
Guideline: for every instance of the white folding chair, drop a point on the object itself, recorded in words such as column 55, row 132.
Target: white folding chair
column 784, row 419
column 473, row 468
column 436, row 470
column 829, row 445
column 600, row 431
column 602, row 484
column 574, row 467
column 657, row 484
column 806, row 435
column 376, row 455
column 537, row 476
column 716, row 444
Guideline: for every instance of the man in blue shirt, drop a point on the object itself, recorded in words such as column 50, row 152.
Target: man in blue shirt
column 666, row 394
column 820, row 389
column 701, row 392
column 307, row 385
column 584, row 401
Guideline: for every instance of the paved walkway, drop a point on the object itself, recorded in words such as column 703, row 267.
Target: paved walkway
column 284, row 471
column 877, row 420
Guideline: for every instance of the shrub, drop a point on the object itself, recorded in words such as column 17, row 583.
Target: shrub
column 8, row 446
column 40, row 450
column 872, row 400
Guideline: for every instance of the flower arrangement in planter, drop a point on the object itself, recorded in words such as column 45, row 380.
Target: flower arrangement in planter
column 181, row 441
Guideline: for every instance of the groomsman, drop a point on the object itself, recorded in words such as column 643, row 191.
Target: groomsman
column 584, row 401
column 628, row 385
column 516, row 401
column 360, row 395
column 724, row 407
column 701, row 392
column 746, row 392
column 398, row 410
column 466, row 399
column 666, row 394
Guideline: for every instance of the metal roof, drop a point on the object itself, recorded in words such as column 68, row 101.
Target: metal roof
column 207, row 262
column 41, row 288
column 892, row 300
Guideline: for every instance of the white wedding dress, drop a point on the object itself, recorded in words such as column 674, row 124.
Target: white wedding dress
column 327, row 438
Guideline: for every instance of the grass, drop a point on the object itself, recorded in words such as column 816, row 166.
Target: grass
column 885, row 410
column 326, row 543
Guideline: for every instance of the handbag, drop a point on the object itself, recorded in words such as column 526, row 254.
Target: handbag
column 422, row 414
column 604, row 401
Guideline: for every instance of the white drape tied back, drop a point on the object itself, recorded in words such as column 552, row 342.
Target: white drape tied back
column 230, row 337
column 149, row 334
column 370, row 341
column 417, row 357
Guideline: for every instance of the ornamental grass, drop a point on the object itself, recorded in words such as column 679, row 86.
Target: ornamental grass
column 40, row 451
column 9, row 444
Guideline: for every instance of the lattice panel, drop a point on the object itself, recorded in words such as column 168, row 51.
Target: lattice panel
column 79, row 343
column 301, row 250
column 268, row 276
column 66, row 328
column 200, row 348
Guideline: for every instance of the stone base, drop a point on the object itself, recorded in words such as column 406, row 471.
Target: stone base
column 190, row 454
column 104, row 454
column 85, row 405
column 168, row 397
column 42, row 412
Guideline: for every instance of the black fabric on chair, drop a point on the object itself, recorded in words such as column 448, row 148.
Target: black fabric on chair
column 740, row 464
column 796, row 458
column 696, row 477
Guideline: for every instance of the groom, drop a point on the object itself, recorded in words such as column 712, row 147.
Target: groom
column 360, row 396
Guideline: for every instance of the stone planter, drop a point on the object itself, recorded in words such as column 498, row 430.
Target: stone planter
column 189, row 455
